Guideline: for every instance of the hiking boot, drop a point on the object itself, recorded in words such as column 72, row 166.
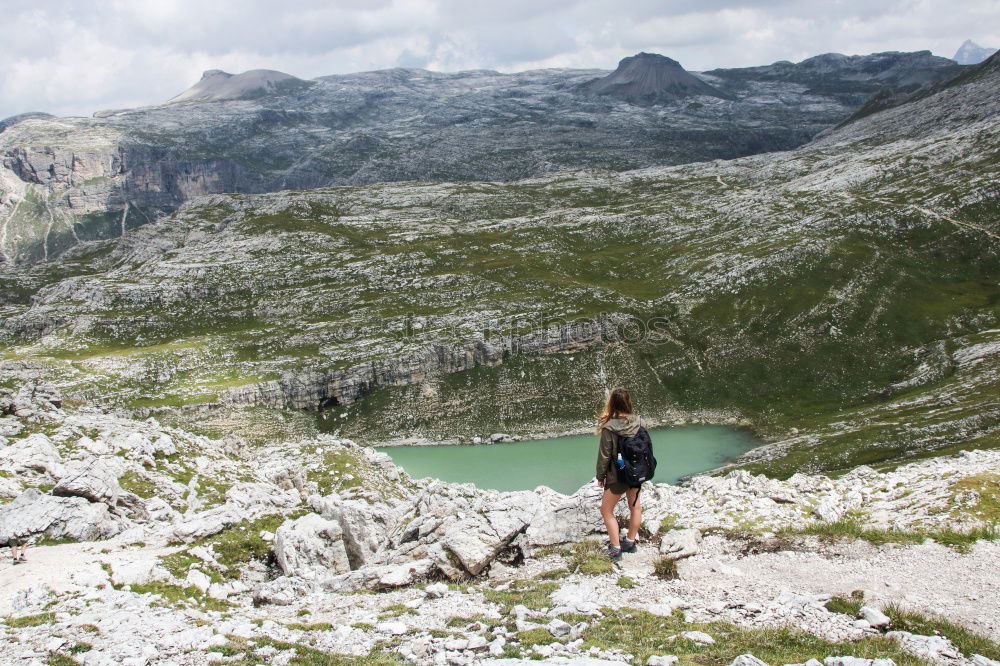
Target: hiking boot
column 16, row 561
column 628, row 546
column 614, row 553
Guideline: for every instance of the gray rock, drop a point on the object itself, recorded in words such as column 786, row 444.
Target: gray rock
column 559, row 628
column 477, row 539
column 33, row 513
column 699, row 637
column 33, row 453
column 748, row 660
column 364, row 526
column 661, row 660
column 569, row 520
column 875, row 618
column 311, row 547
column 436, row 590
column 282, row 591
column 678, row 544
column 137, row 572
column 828, row 510
column 91, row 478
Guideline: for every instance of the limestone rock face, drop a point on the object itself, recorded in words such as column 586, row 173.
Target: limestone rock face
column 568, row 520
column 313, row 390
column 364, row 526
column 91, row 478
column 311, row 547
column 34, row 514
column 477, row 539
column 36, row 453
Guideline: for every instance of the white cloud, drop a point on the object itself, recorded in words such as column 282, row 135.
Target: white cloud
column 68, row 57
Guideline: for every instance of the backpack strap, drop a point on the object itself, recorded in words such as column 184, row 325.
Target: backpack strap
column 636, row 500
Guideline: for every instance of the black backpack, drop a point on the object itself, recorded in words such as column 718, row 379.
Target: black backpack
column 637, row 455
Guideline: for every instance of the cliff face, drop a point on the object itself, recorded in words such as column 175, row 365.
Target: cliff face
column 323, row 390
column 72, row 179
column 53, row 196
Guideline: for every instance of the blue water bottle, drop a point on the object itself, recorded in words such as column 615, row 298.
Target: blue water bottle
column 620, row 462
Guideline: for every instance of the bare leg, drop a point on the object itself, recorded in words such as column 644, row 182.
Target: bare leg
column 608, row 502
column 24, row 548
column 634, row 512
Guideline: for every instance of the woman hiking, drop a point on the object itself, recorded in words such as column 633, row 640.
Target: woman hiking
column 615, row 422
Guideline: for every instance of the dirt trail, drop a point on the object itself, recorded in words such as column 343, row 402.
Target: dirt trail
column 970, row 225
column 930, row 578
column 64, row 567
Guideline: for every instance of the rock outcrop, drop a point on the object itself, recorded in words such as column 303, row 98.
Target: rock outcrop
column 650, row 78
column 323, row 390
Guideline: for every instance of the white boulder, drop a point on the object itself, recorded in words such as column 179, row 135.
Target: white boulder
column 678, row 544
column 311, row 547
column 90, row 478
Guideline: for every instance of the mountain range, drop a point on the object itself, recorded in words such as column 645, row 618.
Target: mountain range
column 66, row 180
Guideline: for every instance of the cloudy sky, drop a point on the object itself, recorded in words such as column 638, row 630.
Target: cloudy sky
column 72, row 58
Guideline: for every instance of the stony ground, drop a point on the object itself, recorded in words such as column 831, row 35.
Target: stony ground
column 287, row 555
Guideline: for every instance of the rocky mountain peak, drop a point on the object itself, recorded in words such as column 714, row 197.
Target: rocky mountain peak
column 216, row 84
column 649, row 78
column 970, row 53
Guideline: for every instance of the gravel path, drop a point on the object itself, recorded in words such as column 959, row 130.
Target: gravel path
column 930, row 578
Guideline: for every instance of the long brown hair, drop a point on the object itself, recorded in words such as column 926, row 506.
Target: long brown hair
column 619, row 402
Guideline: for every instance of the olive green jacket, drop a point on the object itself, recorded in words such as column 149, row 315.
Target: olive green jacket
column 607, row 471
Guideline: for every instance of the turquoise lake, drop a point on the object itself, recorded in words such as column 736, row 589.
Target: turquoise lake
column 566, row 463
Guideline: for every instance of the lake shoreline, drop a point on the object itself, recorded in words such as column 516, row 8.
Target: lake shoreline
column 506, row 438
column 565, row 463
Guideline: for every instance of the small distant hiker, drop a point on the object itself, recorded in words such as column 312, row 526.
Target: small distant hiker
column 624, row 462
column 14, row 542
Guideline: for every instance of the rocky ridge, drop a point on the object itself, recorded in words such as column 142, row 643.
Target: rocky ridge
column 220, row 551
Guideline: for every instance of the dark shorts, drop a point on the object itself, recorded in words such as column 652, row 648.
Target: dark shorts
column 15, row 541
column 617, row 488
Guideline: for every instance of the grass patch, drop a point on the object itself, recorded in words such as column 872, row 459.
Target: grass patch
column 240, row 544
column 529, row 594
column 668, row 522
column 396, row 610
column 242, row 652
column 30, row 620
column 553, row 574
column 850, row 528
column 58, row 659
column 316, row 626
column 985, row 488
column 968, row 642
column 456, row 621
column 536, row 636
column 176, row 595
column 847, row 605
column 665, row 568
column 644, row 634
column 138, row 484
column 180, row 562
column 625, row 582
column 590, row 558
